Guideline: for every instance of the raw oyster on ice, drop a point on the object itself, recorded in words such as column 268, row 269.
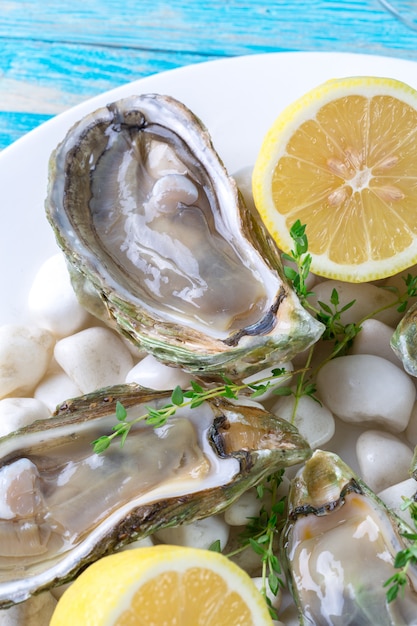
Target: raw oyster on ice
column 63, row 506
column 156, row 231
column 339, row 546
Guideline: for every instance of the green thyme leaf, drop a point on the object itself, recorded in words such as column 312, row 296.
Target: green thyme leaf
column 215, row 546
column 258, row 390
column 283, row 391
column 196, row 387
column 290, row 273
column 196, row 402
column 177, row 396
column 334, row 297
column 101, row 444
column 121, row 412
column 229, row 393
column 274, row 583
column 119, row 428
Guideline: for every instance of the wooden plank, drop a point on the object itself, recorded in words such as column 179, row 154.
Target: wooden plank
column 14, row 125
column 54, row 54
column 42, row 75
column 40, row 79
column 48, row 77
column 216, row 27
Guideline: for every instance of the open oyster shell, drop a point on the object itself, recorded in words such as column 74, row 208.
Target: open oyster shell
column 63, row 506
column 339, row 546
column 154, row 228
column 404, row 340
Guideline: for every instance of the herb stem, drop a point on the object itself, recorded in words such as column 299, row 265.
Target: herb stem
column 300, row 384
column 191, row 398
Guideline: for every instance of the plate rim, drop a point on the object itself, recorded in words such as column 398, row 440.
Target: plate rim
column 197, row 67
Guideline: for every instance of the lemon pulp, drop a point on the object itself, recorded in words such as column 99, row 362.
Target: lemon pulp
column 162, row 586
column 343, row 160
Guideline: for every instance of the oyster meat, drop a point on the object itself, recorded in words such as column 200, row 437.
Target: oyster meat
column 64, row 506
column 339, row 546
column 158, row 239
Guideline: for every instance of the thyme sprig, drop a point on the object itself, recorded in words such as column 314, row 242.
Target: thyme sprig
column 404, row 558
column 403, row 298
column 331, row 316
column 191, row 398
column 329, row 313
column 261, row 534
column 301, row 259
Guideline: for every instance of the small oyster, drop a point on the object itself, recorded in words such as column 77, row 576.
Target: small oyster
column 63, row 506
column 153, row 226
column 404, row 340
column 339, row 546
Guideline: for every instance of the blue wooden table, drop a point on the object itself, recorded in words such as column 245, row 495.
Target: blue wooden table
column 55, row 53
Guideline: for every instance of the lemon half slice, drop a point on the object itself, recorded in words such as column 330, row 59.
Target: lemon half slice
column 162, row 586
column 343, row 160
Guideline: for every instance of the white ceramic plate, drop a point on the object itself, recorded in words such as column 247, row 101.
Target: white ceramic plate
column 238, row 99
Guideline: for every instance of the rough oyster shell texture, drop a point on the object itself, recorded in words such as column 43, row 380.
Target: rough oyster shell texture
column 158, row 238
column 404, row 340
column 65, row 506
column 338, row 548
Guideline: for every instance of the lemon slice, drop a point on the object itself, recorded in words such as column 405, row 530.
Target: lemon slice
column 162, row 586
column 343, row 160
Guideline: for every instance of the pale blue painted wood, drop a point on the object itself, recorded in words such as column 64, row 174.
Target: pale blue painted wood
column 55, row 53
column 48, row 78
column 84, row 69
column 215, row 27
column 14, row 124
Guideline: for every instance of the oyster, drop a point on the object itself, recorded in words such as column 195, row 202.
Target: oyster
column 413, row 467
column 153, row 227
column 339, row 546
column 404, row 340
column 63, row 506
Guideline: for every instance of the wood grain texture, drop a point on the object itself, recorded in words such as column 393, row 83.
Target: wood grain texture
column 222, row 27
column 41, row 79
column 56, row 53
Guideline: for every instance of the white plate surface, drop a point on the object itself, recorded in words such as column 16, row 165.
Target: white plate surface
column 237, row 98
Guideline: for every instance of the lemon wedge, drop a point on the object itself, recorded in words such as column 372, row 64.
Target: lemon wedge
column 162, row 586
column 343, row 160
